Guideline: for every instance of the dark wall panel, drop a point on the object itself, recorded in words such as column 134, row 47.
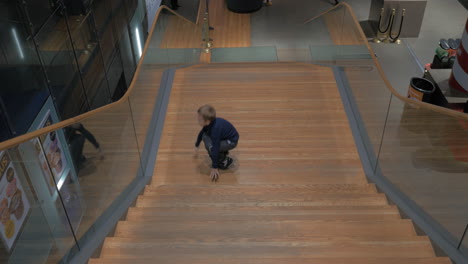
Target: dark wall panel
column 77, row 52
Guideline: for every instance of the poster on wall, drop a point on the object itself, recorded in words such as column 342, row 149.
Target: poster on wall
column 53, row 150
column 14, row 205
column 71, row 201
column 151, row 7
column 44, row 165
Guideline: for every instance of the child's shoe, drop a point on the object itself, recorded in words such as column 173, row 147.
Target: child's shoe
column 226, row 163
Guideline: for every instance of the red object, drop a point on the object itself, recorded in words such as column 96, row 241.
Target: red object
column 459, row 80
column 459, row 77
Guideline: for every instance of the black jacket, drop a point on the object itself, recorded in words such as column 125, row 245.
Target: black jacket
column 218, row 130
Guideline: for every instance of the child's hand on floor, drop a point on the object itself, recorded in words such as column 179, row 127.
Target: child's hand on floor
column 214, row 175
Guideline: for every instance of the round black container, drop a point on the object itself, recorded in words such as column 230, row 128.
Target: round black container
column 421, row 89
column 244, row 6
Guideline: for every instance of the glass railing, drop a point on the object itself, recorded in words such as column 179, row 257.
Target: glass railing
column 244, row 54
column 341, row 42
column 416, row 152
column 327, row 37
column 463, row 245
column 425, row 155
column 61, row 185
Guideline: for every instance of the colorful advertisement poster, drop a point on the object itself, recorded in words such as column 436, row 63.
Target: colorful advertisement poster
column 44, row 165
column 53, row 150
column 14, row 206
column 71, row 202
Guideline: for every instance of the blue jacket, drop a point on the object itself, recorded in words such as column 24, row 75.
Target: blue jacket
column 218, row 130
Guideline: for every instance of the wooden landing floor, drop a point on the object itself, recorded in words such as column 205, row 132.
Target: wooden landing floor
column 292, row 125
column 230, row 30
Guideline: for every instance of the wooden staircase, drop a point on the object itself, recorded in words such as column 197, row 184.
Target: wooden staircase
column 297, row 193
column 346, row 223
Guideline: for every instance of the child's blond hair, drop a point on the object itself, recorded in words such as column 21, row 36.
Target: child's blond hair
column 207, row 112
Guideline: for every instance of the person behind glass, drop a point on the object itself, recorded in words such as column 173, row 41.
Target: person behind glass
column 77, row 134
column 219, row 136
column 175, row 4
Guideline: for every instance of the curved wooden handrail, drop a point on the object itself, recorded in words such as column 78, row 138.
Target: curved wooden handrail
column 323, row 13
column 31, row 135
column 431, row 107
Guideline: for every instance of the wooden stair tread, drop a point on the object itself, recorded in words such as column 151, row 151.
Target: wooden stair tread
column 261, row 197
column 264, row 213
column 276, row 217
column 261, row 189
column 148, row 200
column 266, row 260
column 256, row 176
column 269, row 240
column 242, row 210
column 328, row 228
column 274, row 249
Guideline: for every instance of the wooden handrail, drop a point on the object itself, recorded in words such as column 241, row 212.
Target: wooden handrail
column 431, row 107
column 31, row 135
column 323, row 13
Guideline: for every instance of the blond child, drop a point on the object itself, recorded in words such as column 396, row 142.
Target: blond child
column 219, row 136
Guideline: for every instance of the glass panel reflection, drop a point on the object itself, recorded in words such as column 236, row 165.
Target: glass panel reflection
column 425, row 154
column 24, row 87
column 107, row 160
column 37, row 231
column 127, row 57
column 90, row 63
column 56, row 52
column 71, row 179
column 114, row 75
column 39, row 11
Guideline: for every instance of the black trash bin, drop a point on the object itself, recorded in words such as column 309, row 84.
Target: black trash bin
column 421, row 89
column 244, row 6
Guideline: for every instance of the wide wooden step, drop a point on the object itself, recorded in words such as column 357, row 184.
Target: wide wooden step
column 266, row 260
column 265, row 213
column 332, row 199
column 264, row 210
column 257, row 175
column 273, row 240
column 258, row 189
column 240, row 229
column 324, row 248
